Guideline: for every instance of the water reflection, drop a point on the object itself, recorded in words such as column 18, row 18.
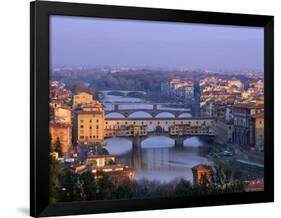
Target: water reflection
column 158, row 158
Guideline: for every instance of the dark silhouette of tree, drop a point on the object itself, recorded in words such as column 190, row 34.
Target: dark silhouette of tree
column 89, row 186
column 53, row 174
column 58, row 147
column 183, row 188
column 50, row 143
column 105, row 187
column 70, row 189
column 126, row 190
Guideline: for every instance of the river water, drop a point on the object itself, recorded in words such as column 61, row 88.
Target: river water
column 157, row 159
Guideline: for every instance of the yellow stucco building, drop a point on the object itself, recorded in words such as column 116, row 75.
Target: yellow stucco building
column 90, row 125
column 82, row 98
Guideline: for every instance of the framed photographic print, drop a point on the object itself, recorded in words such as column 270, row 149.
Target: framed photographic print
column 141, row 109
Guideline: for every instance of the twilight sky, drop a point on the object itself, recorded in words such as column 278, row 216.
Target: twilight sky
column 80, row 41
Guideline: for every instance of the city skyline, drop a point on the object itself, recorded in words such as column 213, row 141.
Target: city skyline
column 98, row 41
column 163, row 113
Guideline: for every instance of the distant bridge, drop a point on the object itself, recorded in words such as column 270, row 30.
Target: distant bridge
column 168, row 104
column 153, row 112
column 122, row 92
column 138, row 129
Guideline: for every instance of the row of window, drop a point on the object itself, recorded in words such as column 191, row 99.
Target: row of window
column 82, row 137
column 174, row 122
column 191, row 132
column 90, row 127
column 82, row 121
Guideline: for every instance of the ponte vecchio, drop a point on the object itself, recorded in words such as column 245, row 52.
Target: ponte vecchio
column 138, row 129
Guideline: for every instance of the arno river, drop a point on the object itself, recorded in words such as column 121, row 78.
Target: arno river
column 158, row 159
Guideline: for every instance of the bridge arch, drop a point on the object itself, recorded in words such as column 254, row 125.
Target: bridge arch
column 135, row 94
column 184, row 115
column 139, row 114
column 159, row 130
column 165, row 114
column 114, row 115
column 113, row 142
column 153, row 142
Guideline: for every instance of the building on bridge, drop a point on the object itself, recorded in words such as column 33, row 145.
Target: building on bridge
column 177, row 128
column 193, row 125
column 187, row 129
column 125, row 130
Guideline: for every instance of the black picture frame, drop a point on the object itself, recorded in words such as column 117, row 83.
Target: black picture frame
column 39, row 108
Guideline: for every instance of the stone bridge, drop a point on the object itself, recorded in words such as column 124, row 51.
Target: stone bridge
column 139, row 129
column 122, row 92
column 178, row 139
column 153, row 112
